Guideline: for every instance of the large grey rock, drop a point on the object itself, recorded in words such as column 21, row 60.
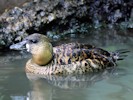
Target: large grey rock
column 60, row 16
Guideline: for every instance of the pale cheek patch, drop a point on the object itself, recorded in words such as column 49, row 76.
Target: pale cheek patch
column 54, row 50
column 28, row 47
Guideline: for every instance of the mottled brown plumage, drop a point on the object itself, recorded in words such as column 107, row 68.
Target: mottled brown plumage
column 72, row 58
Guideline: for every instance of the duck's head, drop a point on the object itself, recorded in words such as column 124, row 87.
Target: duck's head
column 39, row 46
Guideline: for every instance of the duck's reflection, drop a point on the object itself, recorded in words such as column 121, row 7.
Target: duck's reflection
column 41, row 90
column 43, row 86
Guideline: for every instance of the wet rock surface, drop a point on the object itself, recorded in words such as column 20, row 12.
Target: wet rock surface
column 57, row 17
column 9, row 4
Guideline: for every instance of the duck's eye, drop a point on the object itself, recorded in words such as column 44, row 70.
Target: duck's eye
column 33, row 41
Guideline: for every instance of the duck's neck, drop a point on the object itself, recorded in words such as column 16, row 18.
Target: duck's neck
column 43, row 55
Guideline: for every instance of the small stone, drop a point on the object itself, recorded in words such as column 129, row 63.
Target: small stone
column 118, row 14
column 51, row 17
column 56, row 37
column 49, row 34
column 18, row 38
column 42, row 14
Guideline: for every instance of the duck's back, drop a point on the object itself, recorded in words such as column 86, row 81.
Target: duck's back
column 90, row 55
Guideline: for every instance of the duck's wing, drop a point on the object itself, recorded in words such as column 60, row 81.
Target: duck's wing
column 72, row 46
column 68, row 55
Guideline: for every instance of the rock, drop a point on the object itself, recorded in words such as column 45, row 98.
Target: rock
column 60, row 17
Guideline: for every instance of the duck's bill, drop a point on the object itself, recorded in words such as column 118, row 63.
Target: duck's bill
column 19, row 46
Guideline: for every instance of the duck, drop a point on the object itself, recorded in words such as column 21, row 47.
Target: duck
column 70, row 58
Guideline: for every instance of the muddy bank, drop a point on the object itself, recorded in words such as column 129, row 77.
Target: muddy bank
column 62, row 17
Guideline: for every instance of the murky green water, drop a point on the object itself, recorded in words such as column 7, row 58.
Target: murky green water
column 108, row 85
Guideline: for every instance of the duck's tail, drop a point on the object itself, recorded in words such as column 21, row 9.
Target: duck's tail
column 120, row 54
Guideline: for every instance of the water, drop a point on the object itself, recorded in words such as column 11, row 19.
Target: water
column 115, row 84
